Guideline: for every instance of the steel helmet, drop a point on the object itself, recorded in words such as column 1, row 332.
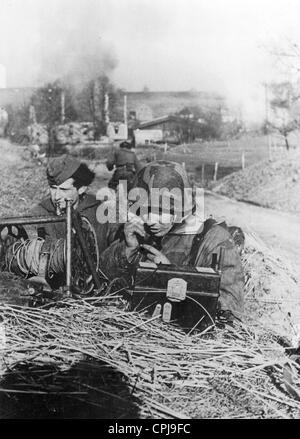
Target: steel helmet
column 172, row 181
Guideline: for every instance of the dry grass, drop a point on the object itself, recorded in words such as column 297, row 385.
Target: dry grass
column 227, row 153
column 229, row 373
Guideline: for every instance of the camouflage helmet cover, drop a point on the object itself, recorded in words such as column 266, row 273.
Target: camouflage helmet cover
column 165, row 176
column 162, row 173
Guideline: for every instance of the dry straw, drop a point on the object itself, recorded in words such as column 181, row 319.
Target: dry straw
column 224, row 373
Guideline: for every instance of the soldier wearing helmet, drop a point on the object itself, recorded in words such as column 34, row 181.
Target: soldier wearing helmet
column 162, row 232
column 126, row 165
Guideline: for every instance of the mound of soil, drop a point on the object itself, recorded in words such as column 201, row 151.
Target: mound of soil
column 23, row 181
column 270, row 183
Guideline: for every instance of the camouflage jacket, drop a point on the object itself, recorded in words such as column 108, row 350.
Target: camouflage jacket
column 195, row 250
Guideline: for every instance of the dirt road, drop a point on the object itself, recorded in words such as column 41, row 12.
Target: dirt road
column 279, row 230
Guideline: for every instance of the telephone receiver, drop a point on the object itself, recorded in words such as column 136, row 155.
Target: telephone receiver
column 149, row 239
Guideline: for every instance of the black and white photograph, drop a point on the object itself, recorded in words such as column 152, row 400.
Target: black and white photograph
column 149, row 212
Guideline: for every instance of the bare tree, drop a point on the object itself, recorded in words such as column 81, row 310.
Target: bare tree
column 284, row 116
column 90, row 102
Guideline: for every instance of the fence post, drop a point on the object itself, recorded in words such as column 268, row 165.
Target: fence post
column 203, row 174
column 269, row 147
column 183, row 165
column 243, row 160
column 216, row 171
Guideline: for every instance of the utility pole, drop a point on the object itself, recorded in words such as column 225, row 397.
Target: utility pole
column 106, row 109
column 32, row 114
column 62, row 104
column 216, row 171
column 51, row 123
column 125, row 109
column 243, row 160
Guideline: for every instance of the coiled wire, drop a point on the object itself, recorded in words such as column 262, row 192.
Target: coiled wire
column 23, row 257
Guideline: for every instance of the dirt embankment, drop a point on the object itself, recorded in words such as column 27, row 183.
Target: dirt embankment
column 271, row 261
column 270, row 183
column 279, row 230
column 22, row 181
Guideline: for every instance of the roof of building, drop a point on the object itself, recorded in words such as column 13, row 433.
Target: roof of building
column 159, row 120
column 167, row 118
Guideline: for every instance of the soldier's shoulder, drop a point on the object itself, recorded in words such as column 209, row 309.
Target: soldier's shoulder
column 88, row 205
column 44, row 206
column 219, row 231
column 90, row 197
column 88, row 201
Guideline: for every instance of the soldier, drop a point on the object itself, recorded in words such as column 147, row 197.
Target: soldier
column 126, row 165
column 190, row 241
column 69, row 179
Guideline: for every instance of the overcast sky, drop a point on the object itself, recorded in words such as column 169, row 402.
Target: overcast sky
column 210, row 45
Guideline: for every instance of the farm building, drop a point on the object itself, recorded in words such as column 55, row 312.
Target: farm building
column 169, row 129
column 143, row 137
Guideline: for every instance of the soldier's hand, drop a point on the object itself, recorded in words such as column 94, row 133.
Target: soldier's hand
column 132, row 228
column 155, row 255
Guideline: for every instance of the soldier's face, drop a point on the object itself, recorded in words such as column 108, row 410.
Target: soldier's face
column 65, row 191
column 159, row 224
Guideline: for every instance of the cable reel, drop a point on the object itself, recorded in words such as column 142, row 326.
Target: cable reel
column 71, row 263
column 9, row 234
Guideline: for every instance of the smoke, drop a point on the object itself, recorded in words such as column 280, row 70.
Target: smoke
column 210, row 45
column 70, row 46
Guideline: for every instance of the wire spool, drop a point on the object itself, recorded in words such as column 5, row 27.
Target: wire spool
column 23, row 258
column 57, row 259
column 8, row 235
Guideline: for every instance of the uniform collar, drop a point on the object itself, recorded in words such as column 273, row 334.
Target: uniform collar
column 190, row 226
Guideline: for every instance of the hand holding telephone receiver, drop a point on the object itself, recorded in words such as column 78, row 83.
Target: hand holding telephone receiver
column 149, row 239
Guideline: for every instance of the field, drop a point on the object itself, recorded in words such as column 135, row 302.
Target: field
column 228, row 155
